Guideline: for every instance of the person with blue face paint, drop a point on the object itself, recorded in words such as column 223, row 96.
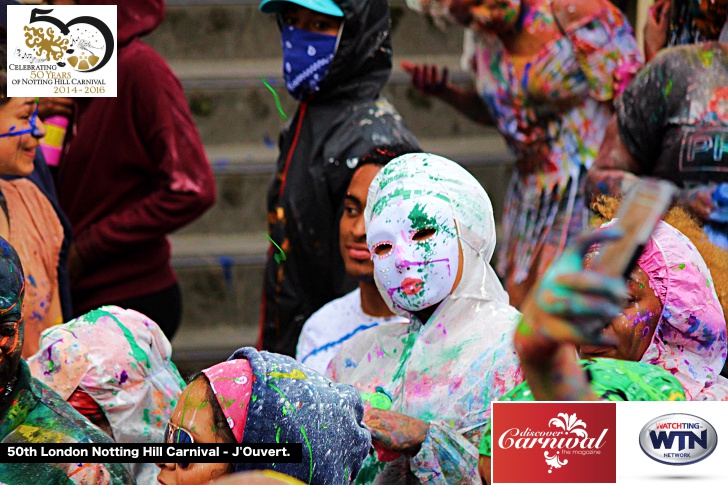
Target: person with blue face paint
column 337, row 57
column 28, row 220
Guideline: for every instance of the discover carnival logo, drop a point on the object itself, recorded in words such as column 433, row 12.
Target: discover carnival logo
column 678, row 439
column 570, row 440
column 65, row 50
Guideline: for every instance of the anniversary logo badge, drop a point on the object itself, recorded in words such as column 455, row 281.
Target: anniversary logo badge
column 65, row 51
column 538, row 442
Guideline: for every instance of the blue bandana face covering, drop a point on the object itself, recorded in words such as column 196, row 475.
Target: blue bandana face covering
column 306, row 59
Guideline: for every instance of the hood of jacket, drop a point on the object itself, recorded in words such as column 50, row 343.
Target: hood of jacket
column 135, row 18
column 363, row 60
column 291, row 403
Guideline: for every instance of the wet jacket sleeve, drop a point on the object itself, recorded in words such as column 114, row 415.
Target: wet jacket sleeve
column 184, row 185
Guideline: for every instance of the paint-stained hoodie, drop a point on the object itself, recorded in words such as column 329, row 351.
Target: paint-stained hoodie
column 319, row 152
column 447, row 370
column 135, row 170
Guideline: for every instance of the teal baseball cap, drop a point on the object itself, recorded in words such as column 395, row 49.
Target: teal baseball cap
column 327, row 7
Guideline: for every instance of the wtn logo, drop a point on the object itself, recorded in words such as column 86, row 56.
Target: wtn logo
column 678, row 439
column 665, row 439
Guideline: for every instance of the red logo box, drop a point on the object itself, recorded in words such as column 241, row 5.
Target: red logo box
column 547, row 442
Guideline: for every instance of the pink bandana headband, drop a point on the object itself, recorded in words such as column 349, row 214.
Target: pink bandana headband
column 232, row 384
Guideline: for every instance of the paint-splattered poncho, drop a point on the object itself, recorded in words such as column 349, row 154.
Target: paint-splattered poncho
column 553, row 118
column 611, row 380
column 690, row 338
column 33, row 413
column 447, row 370
column 122, row 360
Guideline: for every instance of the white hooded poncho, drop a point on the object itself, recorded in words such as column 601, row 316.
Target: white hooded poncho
column 447, row 370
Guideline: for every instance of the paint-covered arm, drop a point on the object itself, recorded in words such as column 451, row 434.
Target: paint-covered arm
column 431, row 80
column 561, row 312
column 551, row 369
column 604, row 45
column 183, row 186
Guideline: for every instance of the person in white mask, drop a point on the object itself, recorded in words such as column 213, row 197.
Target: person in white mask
column 428, row 383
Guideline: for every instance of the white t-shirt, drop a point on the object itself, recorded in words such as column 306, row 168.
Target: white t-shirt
column 335, row 323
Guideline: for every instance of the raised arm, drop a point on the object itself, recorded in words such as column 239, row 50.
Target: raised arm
column 567, row 296
column 431, row 80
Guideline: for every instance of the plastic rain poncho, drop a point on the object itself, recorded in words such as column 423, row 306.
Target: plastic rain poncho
column 123, row 361
column 447, row 370
column 690, row 337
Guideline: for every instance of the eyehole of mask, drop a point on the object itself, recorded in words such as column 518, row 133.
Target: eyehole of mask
column 383, row 249
column 424, row 234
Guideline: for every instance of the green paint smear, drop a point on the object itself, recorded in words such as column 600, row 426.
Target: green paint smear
column 136, row 352
column 420, row 220
column 404, row 194
column 310, row 455
column 287, row 404
column 275, row 98
column 668, row 88
column 406, row 352
column 523, row 328
column 370, row 469
column 706, row 57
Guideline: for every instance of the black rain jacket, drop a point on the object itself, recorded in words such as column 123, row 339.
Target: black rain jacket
column 320, row 148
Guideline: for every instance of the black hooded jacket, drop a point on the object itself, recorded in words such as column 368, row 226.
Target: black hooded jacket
column 320, row 147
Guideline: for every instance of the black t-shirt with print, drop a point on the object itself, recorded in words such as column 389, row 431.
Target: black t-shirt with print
column 673, row 117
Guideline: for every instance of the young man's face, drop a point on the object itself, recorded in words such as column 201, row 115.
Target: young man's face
column 306, row 19
column 352, row 233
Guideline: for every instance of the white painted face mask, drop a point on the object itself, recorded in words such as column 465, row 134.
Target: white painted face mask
column 414, row 246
